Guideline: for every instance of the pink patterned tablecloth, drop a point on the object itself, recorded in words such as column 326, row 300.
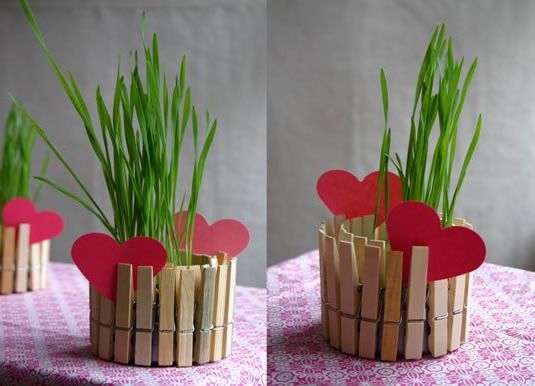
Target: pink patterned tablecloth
column 500, row 351
column 44, row 339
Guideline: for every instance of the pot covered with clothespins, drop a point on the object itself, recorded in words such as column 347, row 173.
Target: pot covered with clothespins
column 25, row 234
column 395, row 263
column 161, row 279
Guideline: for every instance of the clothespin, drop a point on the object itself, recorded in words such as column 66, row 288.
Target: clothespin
column 23, row 255
column 219, row 312
column 333, row 289
column 438, row 317
column 144, row 316
column 124, row 303
column 166, row 325
column 7, row 267
column 455, row 310
column 323, row 282
column 392, row 304
column 229, row 307
column 203, row 316
column 185, row 307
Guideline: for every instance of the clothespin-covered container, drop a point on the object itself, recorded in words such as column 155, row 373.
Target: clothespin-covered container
column 395, row 263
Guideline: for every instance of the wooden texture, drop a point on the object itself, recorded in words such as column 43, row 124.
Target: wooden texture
column 94, row 315
column 23, row 257
column 35, row 266
column 455, row 310
column 333, row 290
column 437, row 317
column 8, row 260
column 106, row 328
column 337, row 223
column 45, row 259
column 144, row 316
column 359, row 243
column 166, row 323
column 323, row 283
column 185, row 306
column 392, row 306
column 466, row 309
column 382, row 246
column 349, row 299
column 367, row 227
column 356, row 226
column 414, row 332
column 229, row 307
column 124, row 314
column 219, row 313
column 203, row 316
column 370, row 303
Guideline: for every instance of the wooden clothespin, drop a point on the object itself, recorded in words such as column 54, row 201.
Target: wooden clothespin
column 380, row 233
column 368, row 230
column 106, row 328
column 356, row 226
column 438, row 317
column 166, row 323
column 219, row 312
column 369, row 315
column 455, row 310
column 8, row 260
column 467, row 295
column 203, row 316
column 382, row 246
column 185, row 305
column 94, row 318
column 359, row 243
column 414, row 332
column 23, row 256
column 333, row 289
column 144, row 316
column 35, row 266
column 124, row 303
column 45, row 259
column 349, row 295
column 323, row 282
column 338, row 221
column 392, row 304
column 229, row 307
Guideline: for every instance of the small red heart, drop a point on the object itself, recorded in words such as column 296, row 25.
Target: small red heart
column 453, row 251
column 43, row 225
column 229, row 236
column 97, row 254
column 343, row 193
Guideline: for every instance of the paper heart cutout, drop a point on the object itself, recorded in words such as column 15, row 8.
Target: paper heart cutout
column 344, row 193
column 453, row 251
column 97, row 254
column 229, row 236
column 43, row 225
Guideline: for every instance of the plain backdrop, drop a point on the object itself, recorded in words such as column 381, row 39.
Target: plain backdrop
column 225, row 45
column 325, row 111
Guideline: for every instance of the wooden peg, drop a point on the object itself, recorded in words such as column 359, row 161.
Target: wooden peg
column 382, row 246
column 323, row 283
column 338, row 221
column 35, row 266
column 455, row 310
column 45, row 259
column 359, row 243
column 356, row 226
column 144, row 316
column 229, row 308
column 106, row 328
column 369, row 303
column 222, row 258
column 438, row 317
column 94, row 317
column 185, row 305
column 414, row 333
column 124, row 314
column 349, row 296
column 333, row 290
column 167, row 317
column 219, row 313
column 380, row 233
column 203, row 316
column 23, row 256
column 367, row 226
column 466, row 309
column 392, row 307
column 8, row 260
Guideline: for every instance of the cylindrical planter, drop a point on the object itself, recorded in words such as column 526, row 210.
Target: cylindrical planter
column 23, row 266
column 186, row 317
column 367, row 311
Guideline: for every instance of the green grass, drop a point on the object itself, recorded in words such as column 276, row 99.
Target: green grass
column 426, row 174
column 138, row 146
column 16, row 162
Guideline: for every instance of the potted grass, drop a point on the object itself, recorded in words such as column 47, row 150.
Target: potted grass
column 395, row 263
column 25, row 234
column 161, row 279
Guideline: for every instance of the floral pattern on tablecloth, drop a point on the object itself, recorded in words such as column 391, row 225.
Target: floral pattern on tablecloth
column 500, row 350
column 44, row 339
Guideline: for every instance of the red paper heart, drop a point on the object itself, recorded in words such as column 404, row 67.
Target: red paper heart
column 97, row 254
column 343, row 193
column 226, row 235
column 43, row 225
column 453, row 251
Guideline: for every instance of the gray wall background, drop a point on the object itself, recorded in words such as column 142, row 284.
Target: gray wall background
column 225, row 45
column 324, row 108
